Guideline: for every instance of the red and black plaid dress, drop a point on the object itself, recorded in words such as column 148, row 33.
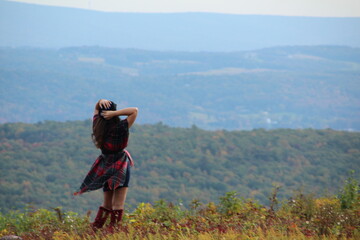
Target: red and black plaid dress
column 110, row 167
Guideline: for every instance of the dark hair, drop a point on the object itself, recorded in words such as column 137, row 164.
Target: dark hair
column 102, row 126
column 111, row 108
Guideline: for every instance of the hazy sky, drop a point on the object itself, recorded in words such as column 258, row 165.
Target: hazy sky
column 332, row 8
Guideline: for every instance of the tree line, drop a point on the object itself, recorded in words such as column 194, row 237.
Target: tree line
column 44, row 163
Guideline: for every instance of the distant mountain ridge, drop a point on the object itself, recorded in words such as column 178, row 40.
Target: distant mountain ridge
column 55, row 27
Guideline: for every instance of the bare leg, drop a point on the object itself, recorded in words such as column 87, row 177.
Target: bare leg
column 119, row 197
column 108, row 199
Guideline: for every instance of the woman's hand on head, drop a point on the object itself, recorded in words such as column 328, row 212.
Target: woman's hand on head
column 108, row 114
column 103, row 103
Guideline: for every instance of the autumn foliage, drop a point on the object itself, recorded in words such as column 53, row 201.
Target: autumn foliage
column 300, row 217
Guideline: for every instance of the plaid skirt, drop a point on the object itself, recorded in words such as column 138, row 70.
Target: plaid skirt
column 107, row 168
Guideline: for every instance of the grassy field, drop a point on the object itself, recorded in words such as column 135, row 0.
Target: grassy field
column 300, row 217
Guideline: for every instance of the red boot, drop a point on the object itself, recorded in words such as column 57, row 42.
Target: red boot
column 115, row 219
column 100, row 219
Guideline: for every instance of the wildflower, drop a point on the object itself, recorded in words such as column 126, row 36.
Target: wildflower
column 3, row 232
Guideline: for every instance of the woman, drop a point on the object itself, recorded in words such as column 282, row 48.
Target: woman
column 111, row 170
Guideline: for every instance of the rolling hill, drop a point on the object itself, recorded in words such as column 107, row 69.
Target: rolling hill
column 44, row 163
column 283, row 87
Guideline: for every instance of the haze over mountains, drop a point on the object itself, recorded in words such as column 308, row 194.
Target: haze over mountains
column 279, row 87
column 47, row 27
column 286, row 87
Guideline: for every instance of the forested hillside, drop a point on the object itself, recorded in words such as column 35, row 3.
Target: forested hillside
column 44, row 163
column 283, row 87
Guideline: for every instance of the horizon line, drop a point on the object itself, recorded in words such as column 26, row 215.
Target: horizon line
column 177, row 12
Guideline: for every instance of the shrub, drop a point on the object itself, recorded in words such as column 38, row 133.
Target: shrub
column 230, row 204
column 349, row 195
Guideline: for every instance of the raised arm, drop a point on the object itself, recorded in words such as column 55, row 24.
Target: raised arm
column 130, row 112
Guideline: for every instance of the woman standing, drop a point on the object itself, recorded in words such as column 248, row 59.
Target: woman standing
column 111, row 170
